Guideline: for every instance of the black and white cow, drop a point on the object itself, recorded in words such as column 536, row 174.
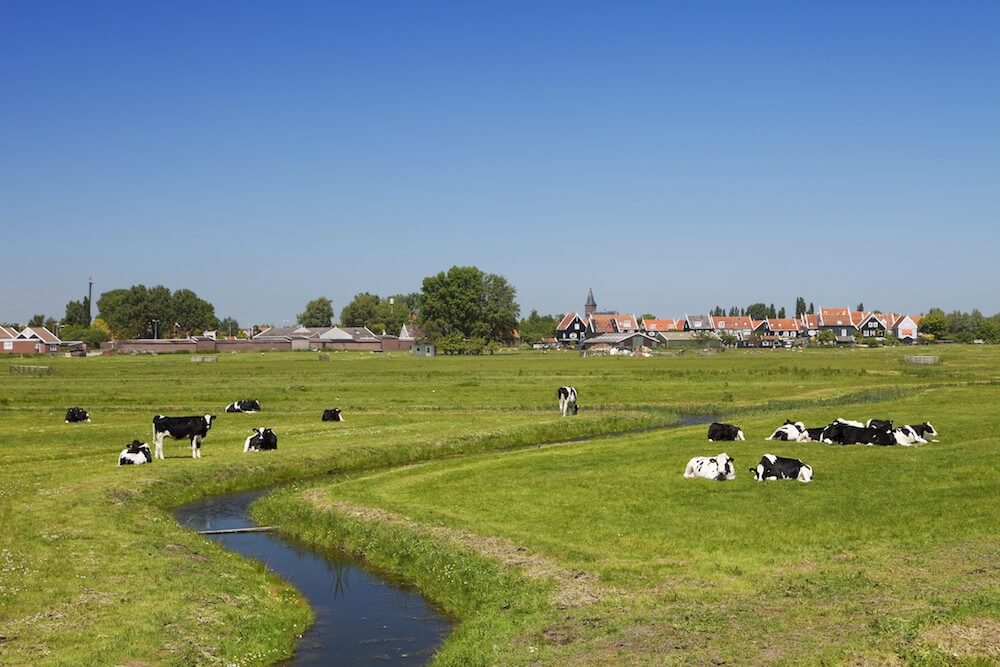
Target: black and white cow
column 841, row 433
column 567, row 400
column 333, row 415
column 924, row 430
column 251, row 405
column 136, row 454
column 262, row 439
column 879, row 423
column 778, row 467
column 717, row 431
column 815, row 434
column 193, row 428
column 849, row 422
column 719, row 467
column 790, row 431
column 74, row 415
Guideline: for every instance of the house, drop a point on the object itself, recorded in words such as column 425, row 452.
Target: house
column 10, row 343
column 688, row 339
column 777, row 332
column 652, row 326
column 906, row 328
column 840, row 322
column 571, row 330
column 621, row 341
column 877, row 325
column 347, row 338
column 740, row 326
column 697, row 323
column 33, row 340
column 610, row 322
column 410, row 333
column 809, row 324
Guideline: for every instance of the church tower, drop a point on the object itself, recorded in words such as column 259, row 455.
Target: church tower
column 590, row 307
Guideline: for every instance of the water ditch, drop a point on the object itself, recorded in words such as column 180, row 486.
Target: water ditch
column 362, row 618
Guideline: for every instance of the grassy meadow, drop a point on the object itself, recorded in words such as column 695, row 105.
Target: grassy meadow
column 551, row 540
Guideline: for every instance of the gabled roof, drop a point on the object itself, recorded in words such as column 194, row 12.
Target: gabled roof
column 410, row 331
column 699, row 322
column 293, row 332
column 615, row 338
column 360, row 334
column 731, row 322
column 567, row 320
column 810, row 321
column 38, row 333
column 857, row 316
column 7, row 334
column 660, row 325
column 601, row 323
column 835, row 317
column 783, row 324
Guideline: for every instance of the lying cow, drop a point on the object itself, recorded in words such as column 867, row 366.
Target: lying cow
column 136, row 454
column 914, row 435
column 718, row 467
column 74, row 415
column 841, row 433
column 849, row 422
column 879, row 423
column 790, row 431
column 924, row 430
column 815, row 434
column 193, row 428
column 717, row 431
column 261, row 440
column 250, row 405
column 567, row 400
column 333, row 415
column 773, row 467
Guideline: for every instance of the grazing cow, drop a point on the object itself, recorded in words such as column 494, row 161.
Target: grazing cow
column 845, row 434
column 178, row 428
column 791, row 431
column 136, row 454
column 719, row 467
column 251, row 405
column 262, row 439
column 567, row 400
column 74, row 415
column 778, row 467
column 880, row 424
column 717, row 431
column 333, row 415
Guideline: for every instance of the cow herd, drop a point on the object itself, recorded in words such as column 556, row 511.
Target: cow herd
column 838, row 432
column 194, row 429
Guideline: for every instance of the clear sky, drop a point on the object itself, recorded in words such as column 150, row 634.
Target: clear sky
column 671, row 155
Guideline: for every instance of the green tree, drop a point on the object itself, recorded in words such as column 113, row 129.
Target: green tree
column 935, row 323
column 988, row 331
column 812, row 309
column 78, row 313
column 826, row 336
column 781, row 313
column 645, row 316
column 470, row 303
column 535, row 327
column 318, row 313
column 757, row 311
column 228, row 326
column 861, row 307
column 771, row 312
column 192, row 313
column 37, row 320
column 364, row 310
column 92, row 336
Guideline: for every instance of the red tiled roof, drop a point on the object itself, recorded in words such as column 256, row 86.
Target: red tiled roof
column 564, row 323
column 786, row 324
column 612, row 322
column 660, row 325
column 732, row 322
column 835, row 316
column 858, row 316
column 810, row 321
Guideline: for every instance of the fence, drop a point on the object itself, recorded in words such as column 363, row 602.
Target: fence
column 922, row 360
column 30, row 370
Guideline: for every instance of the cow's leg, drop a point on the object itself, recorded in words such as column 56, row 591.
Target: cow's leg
column 159, row 446
column 194, row 446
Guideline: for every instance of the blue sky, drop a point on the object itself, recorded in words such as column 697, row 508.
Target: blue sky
column 670, row 155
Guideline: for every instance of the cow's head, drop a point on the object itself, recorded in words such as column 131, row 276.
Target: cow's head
column 929, row 430
column 209, row 419
column 726, row 470
column 576, row 408
column 757, row 472
column 805, row 473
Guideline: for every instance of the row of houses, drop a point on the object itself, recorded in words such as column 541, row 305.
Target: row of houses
column 578, row 330
column 31, row 340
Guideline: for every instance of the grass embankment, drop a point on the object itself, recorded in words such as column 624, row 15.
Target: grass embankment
column 93, row 570
column 601, row 553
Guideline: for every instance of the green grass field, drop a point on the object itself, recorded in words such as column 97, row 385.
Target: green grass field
column 457, row 474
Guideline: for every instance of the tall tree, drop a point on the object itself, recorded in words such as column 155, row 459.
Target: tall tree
column 228, row 326
column 318, row 313
column 141, row 311
column 470, row 303
column 861, row 307
column 935, row 323
column 757, row 311
column 781, row 313
column 78, row 313
column 37, row 320
column 812, row 309
column 364, row 310
column 771, row 312
column 800, row 306
column 192, row 313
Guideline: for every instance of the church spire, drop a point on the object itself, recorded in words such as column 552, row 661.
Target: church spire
column 590, row 307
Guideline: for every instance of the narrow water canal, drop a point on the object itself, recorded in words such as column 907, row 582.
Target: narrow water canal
column 361, row 618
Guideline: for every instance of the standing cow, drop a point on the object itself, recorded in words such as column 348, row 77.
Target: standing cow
column 193, row 428
column 567, row 400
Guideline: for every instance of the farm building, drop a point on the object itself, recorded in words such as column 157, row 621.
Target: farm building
column 32, row 340
column 621, row 341
column 689, row 339
column 571, row 330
